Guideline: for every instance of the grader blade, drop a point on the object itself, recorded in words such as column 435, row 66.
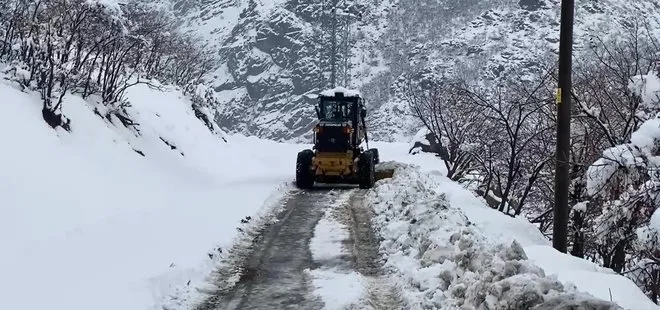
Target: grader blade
column 384, row 173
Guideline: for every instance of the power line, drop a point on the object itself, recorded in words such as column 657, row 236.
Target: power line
column 320, row 46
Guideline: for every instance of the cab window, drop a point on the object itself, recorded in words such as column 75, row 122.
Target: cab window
column 335, row 110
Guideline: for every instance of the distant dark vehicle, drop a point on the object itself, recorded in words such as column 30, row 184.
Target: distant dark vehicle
column 337, row 156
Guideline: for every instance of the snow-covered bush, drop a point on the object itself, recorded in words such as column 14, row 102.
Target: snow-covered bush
column 614, row 92
column 424, row 141
column 204, row 101
column 623, row 187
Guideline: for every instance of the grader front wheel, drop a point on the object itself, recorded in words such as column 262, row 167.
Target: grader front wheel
column 366, row 170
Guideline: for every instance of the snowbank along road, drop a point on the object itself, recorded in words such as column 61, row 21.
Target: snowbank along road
column 407, row 243
column 320, row 253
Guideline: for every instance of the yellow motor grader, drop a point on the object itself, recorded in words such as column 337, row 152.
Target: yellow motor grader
column 337, row 155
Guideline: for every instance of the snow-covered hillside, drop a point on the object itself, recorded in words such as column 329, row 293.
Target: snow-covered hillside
column 105, row 218
column 269, row 51
column 100, row 218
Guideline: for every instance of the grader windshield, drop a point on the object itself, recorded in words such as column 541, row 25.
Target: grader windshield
column 335, row 110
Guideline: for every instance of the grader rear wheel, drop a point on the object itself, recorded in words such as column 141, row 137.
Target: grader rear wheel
column 304, row 172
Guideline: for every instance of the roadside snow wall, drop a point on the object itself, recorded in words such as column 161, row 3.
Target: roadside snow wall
column 445, row 261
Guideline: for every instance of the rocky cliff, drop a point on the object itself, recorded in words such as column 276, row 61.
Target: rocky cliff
column 274, row 54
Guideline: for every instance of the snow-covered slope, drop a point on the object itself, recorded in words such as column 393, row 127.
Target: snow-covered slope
column 86, row 222
column 451, row 250
column 105, row 218
column 269, row 51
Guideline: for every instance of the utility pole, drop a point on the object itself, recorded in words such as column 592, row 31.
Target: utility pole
column 333, row 58
column 562, row 179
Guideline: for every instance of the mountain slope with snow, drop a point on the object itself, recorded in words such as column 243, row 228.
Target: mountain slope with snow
column 271, row 54
column 107, row 217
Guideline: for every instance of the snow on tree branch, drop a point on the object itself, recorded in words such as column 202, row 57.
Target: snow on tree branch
column 94, row 47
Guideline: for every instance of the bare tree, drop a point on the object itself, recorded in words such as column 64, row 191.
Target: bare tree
column 514, row 152
column 445, row 114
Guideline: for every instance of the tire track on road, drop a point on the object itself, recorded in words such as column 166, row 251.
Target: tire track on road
column 276, row 266
column 382, row 290
column 273, row 277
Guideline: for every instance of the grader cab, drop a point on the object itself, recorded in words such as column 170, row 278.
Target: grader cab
column 337, row 155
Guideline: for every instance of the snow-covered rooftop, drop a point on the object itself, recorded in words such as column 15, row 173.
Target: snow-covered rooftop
column 347, row 92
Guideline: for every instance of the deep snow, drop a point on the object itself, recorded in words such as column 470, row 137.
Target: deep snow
column 494, row 228
column 88, row 223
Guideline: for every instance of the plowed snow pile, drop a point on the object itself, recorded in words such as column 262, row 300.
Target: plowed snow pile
column 446, row 262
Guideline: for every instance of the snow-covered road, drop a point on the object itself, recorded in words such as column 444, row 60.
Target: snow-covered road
column 319, row 253
column 405, row 244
